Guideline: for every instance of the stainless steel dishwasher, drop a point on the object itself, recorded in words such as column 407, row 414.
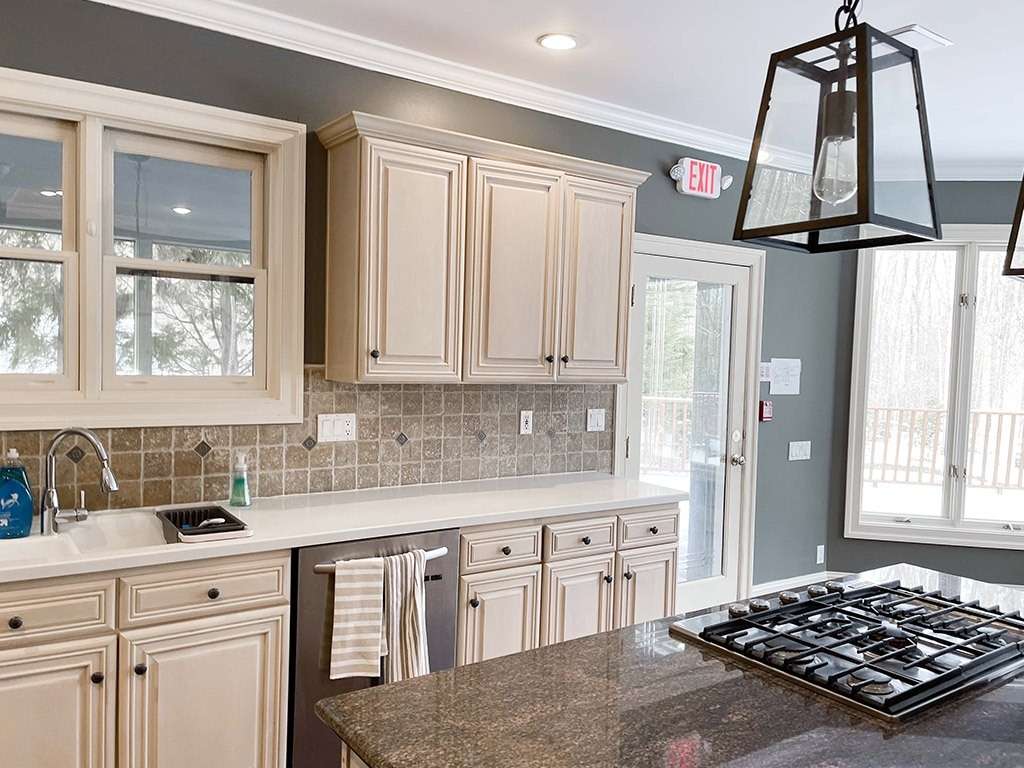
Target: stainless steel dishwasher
column 312, row 744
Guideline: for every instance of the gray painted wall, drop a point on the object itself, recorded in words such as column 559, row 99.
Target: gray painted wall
column 106, row 45
column 960, row 202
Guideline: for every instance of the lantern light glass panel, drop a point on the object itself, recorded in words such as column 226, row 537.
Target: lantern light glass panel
column 1015, row 250
column 841, row 157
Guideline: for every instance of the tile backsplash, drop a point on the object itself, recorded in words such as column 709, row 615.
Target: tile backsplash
column 408, row 434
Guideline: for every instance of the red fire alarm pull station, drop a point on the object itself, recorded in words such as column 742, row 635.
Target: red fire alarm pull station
column 764, row 411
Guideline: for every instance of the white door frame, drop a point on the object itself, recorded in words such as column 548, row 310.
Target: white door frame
column 753, row 259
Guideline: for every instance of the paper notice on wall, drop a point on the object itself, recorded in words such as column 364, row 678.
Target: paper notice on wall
column 785, row 376
column 765, row 372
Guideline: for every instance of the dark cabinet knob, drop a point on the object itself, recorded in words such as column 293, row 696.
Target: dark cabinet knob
column 140, row 669
column 550, row 358
column 565, row 358
column 97, row 678
column 474, row 603
column 15, row 622
column 628, row 575
column 374, row 353
column 586, row 541
column 506, row 550
column 654, row 529
column 609, row 579
column 213, row 594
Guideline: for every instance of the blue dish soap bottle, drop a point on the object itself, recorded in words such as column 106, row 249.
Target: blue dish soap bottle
column 15, row 498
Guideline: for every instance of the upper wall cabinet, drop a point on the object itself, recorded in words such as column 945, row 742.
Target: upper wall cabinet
column 540, row 261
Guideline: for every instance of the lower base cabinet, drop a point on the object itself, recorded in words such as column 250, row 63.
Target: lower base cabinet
column 578, row 596
column 646, row 584
column 204, row 692
column 499, row 613
column 57, row 704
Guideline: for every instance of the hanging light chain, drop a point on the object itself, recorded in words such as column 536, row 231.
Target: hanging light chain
column 849, row 9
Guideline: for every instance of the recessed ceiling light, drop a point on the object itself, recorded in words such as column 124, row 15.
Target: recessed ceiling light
column 181, row 210
column 557, row 41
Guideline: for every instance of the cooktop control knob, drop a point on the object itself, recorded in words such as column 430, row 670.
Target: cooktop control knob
column 835, row 586
column 816, row 590
column 738, row 610
column 788, row 598
column 759, row 604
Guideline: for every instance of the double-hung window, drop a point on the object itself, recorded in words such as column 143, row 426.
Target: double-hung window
column 936, row 450
column 151, row 260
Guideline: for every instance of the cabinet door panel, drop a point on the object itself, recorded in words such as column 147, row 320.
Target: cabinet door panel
column 514, row 231
column 595, row 280
column 52, row 714
column 646, row 584
column 499, row 613
column 210, row 692
column 414, row 235
column 577, row 598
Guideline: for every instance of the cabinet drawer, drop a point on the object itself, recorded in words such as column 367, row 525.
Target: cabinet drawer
column 580, row 537
column 172, row 594
column 55, row 610
column 642, row 529
column 500, row 548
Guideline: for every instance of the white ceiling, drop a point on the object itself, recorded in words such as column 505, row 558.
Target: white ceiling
column 686, row 70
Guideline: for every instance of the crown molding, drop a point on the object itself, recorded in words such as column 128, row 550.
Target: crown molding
column 284, row 31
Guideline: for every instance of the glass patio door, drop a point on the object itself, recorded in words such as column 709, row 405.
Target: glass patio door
column 685, row 410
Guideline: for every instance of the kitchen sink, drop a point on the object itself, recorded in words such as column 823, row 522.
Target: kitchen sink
column 112, row 531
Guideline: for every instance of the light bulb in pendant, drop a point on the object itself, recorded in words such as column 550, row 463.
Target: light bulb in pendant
column 835, row 170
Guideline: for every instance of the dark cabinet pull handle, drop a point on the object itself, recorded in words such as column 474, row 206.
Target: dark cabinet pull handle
column 565, row 358
column 97, row 678
column 213, row 594
column 609, row 579
column 140, row 669
column 374, row 353
column 628, row 575
column 654, row 529
column 474, row 603
column 506, row 550
column 15, row 622
column 550, row 358
column 586, row 541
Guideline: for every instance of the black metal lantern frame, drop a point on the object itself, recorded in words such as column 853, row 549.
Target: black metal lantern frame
column 828, row 62
column 1014, row 257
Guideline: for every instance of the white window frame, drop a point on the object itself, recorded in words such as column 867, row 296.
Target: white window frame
column 951, row 529
column 93, row 398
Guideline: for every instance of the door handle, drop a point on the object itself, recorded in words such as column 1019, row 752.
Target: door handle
column 737, row 460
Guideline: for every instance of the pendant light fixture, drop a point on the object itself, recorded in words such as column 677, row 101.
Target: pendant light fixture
column 841, row 157
column 1014, row 253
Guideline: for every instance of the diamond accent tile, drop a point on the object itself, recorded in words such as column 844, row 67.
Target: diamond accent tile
column 309, row 443
column 481, row 435
column 202, row 448
column 401, row 438
column 76, row 454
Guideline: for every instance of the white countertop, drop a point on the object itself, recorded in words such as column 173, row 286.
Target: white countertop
column 111, row 541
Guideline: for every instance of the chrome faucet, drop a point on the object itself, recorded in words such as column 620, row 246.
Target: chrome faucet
column 50, row 513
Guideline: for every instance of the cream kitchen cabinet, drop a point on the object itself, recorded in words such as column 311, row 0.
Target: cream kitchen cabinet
column 577, row 598
column 645, row 584
column 57, row 704
column 512, row 272
column 499, row 613
column 595, row 280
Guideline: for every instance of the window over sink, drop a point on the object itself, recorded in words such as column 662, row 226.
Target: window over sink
column 151, row 255
column 936, row 448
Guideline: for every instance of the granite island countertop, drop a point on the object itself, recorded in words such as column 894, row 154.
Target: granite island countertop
column 637, row 698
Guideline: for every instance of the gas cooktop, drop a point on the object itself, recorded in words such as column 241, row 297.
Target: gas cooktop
column 887, row 649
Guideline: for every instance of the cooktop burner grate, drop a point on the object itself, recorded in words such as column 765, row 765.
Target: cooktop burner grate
column 889, row 648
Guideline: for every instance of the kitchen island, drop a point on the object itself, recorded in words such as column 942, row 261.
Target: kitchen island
column 638, row 698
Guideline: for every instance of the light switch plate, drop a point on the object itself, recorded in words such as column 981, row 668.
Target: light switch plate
column 800, row 450
column 526, row 422
column 595, row 419
column 335, row 427
column 821, row 554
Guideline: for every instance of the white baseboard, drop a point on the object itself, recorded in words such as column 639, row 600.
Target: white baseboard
column 793, row 582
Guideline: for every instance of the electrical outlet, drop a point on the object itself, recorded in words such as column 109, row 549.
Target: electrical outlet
column 595, row 419
column 821, row 554
column 335, row 427
column 800, row 450
column 526, row 422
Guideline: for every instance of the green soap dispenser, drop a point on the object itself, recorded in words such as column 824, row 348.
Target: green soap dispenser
column 240, row 496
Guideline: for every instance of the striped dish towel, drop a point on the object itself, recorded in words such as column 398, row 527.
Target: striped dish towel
column 357, row 640
column 405, row 618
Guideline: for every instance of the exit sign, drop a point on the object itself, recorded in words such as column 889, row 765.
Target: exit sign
column 698, row 177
